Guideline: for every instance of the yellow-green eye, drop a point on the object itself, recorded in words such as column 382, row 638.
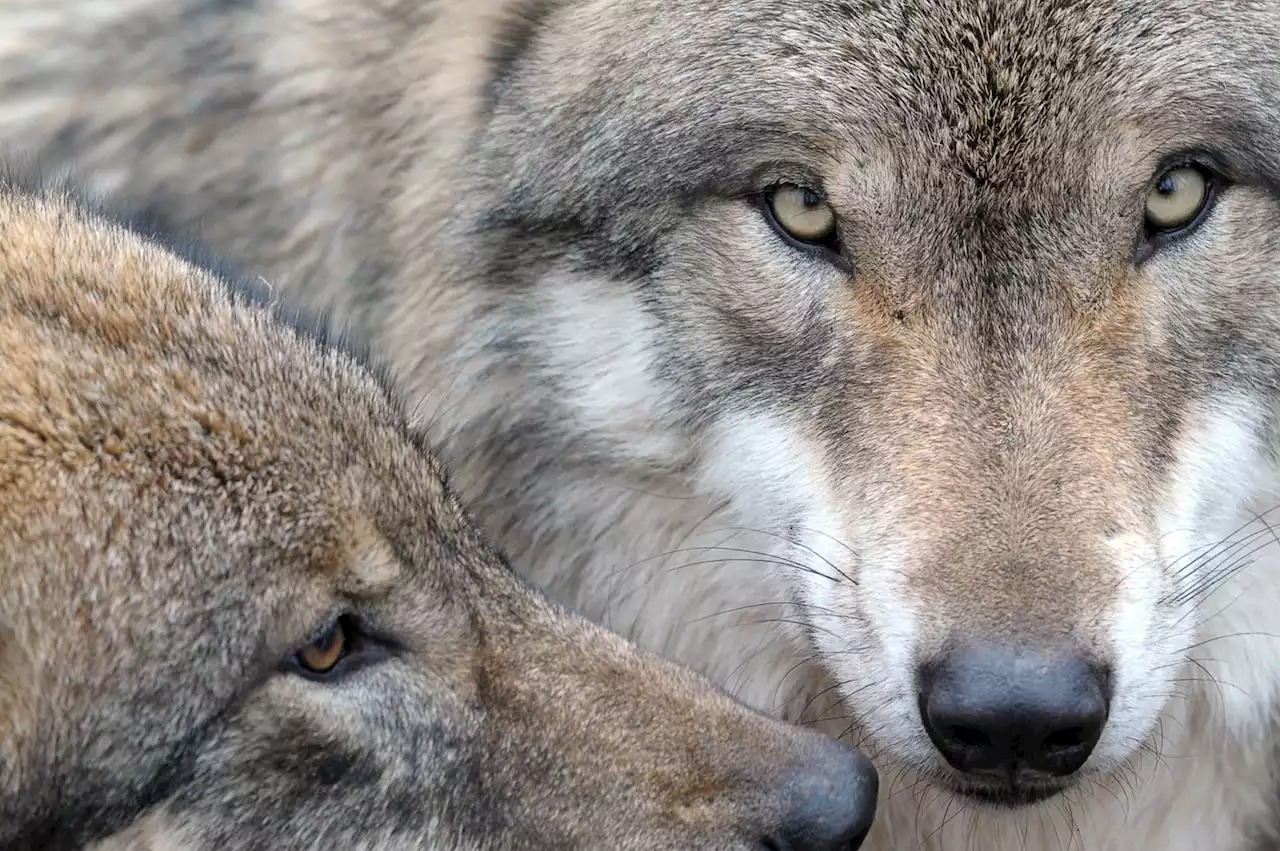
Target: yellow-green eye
column 803, row 214
column 1177, row 198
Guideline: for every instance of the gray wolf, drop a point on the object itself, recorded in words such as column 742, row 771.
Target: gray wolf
column 242, row 608
column 909, row 367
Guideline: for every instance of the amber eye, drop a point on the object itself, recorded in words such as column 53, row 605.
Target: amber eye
column 348, row 645
column 803, row 215
column 1177, row 199
column 321, row 655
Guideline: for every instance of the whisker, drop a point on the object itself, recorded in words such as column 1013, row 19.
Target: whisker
column 796, row 543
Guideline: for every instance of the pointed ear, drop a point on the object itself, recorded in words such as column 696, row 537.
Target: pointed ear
column 18, row 701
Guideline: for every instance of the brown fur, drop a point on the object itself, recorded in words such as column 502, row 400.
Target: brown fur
column 190, row 491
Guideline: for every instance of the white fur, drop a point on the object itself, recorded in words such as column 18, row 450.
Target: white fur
column 762, row 462
column 599, row 345
column 1225, row 490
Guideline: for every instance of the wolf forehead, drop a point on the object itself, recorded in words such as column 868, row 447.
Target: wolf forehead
column 1000, row 93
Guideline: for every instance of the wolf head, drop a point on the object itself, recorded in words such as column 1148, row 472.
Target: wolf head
column 976, row 303
column 240, row 607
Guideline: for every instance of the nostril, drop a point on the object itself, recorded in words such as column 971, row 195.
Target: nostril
column 1064, row 740
column 966, row 737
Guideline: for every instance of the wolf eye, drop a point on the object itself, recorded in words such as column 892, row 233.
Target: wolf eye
column 343, row 647
column 322, row 655
column 802, row 216
column 1178, row 199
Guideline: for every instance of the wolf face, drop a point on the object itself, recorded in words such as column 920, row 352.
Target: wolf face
column 242, row 608
column 974, row 304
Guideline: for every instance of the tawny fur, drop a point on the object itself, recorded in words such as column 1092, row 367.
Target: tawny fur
column 800, row 477
column 191, row 491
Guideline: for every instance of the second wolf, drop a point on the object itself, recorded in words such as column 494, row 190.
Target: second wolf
column 241, row 608
column 908, row 365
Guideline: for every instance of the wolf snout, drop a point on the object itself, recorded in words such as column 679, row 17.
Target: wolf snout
column 827, row 804
column 1015, row 716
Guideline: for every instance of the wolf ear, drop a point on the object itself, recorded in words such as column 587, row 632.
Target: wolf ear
column 18, row 699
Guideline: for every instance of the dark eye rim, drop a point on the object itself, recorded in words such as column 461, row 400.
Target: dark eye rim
column 1151, row 239
column 830, row 248
column 361, row 649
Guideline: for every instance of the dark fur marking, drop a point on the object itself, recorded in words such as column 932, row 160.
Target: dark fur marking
column 517, row 35
column 72, row 825
column 521, row 250
column 197, row 8
column 320, row 763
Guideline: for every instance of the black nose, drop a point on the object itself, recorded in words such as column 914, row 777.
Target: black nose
column 1011, row 713
column 830, row 802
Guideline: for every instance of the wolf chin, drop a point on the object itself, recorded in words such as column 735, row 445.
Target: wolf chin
column 909, row 367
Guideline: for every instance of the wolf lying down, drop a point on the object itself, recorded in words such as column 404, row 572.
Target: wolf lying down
column 240, row 607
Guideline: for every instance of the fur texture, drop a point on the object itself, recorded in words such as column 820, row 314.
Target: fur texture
column 192, row 492
column 1002, row 415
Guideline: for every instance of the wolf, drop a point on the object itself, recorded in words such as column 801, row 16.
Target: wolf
column 908, row 367
column 242, row 608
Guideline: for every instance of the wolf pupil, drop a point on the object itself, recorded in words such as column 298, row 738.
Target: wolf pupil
column 1167, row 185
column 811, row 198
